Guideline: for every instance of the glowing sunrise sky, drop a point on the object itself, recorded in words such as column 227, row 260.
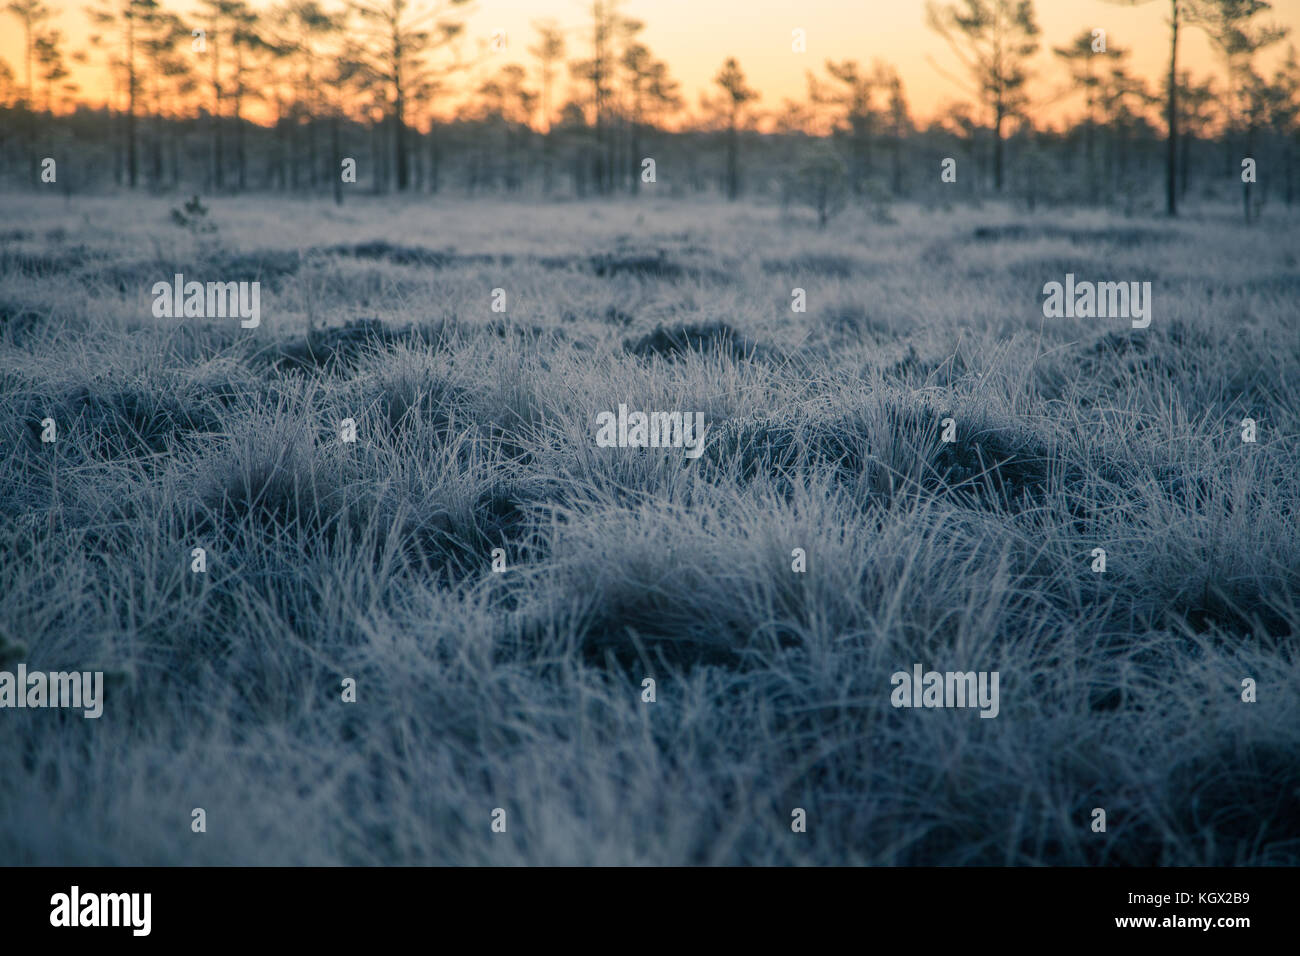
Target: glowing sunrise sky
column 694, row 36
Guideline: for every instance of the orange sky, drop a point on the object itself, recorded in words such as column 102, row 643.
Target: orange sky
column 694, row 36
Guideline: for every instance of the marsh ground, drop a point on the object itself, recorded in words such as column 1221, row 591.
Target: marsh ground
column 522, row 690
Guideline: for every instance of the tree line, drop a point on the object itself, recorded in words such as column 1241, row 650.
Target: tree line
column 229, row 99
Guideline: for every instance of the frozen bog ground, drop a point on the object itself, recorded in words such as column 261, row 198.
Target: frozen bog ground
column 523, row 690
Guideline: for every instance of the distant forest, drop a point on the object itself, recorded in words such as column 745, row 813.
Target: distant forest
column 230, row 100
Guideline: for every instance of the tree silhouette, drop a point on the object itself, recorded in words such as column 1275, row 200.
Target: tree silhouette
column 994, row 40
column 735, row 95
column 8, row 85
column 160, row 35
column 129, row 18
column 1196, row 104
column 856, row 120
column 598, row 71
column 1282, row 98
column 33, row 15
column 301, row 37
column 395, row 51
column 650, row 92
column 270, row 97
column 548, row 51
column 216, row 14
column 1080, row 58
column 49, row 55
column 1234, row 32
column 1123, row 100
column 245, row 43
column 900, row 123
column 1177, row 11
column 507, row 105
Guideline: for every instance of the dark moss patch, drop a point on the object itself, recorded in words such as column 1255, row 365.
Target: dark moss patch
column 1014, row 231
column 272, row 496
column 1176, row 353
column 1014, row 470
column 117, row 422
column 676, row 341
column 639, row 630
column 639, row 265
column 816, row 264
column 1124, row 238
column 1000, row 469
column 503, row 329
column 503, row 514
column 778, row 448
column 433, row 402
column 343, row 346
column 1119, row 344
column 132, row 422
column 502, row 518
column 1169, row 337
column 612, row 315
column 381, row 251
column 268, row 267
column 203, row 341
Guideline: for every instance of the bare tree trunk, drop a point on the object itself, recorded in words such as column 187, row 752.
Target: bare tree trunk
column 218, row 159
column 336, row 159
column 281, row 152
column 115, row 123
column 130, row 99
column 1171, row 117
column 399, row 116
column 1245, row 186
column 548, row 161
column 733, row 163
column 997, row 147
column 295, row 163
column 313, row 152
column 1288, row 184
column 435, row 159
column 898, row 161
column 241, row 158
column 631, row 164
column 1184, row 147
column 156, row 151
